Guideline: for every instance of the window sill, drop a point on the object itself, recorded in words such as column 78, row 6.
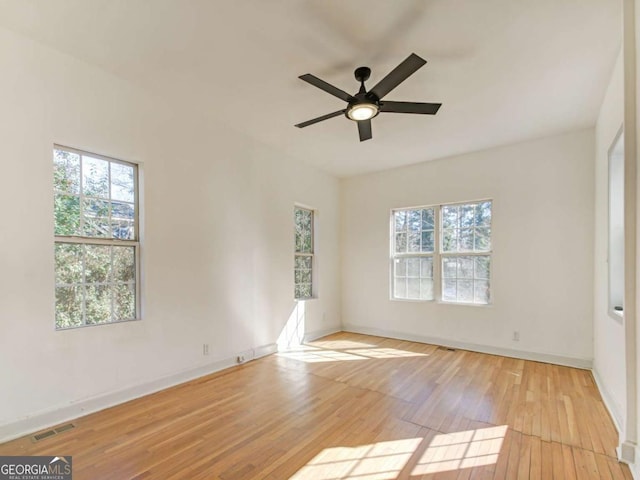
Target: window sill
column 411, row 300
column 440, row 302
column 464, row 304
column 87, row 325
column 617, row 315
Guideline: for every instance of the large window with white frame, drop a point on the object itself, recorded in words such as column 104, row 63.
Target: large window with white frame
column 442, row 252
column 304, row 253
column 96, row 231
column 413, row 253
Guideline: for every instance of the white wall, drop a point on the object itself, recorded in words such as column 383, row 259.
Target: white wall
column 217, row 248
column 609, row 345
column 542, row 284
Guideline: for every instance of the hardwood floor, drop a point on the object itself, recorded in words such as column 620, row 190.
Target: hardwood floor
column 354, row 406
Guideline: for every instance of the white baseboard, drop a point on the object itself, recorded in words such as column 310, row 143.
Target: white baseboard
column 627, row 452
column 55, row 416
column 615, row 413
column 504, row 352
column 311, row 336
column 635, row 467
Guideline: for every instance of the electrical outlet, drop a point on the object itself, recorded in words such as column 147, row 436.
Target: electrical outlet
column 516, row 336
column 240, row 359
column 205, row 349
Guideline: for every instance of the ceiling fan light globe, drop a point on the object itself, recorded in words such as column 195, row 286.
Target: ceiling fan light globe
column 362, row 111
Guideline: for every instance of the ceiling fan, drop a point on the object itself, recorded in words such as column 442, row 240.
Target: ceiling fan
column 363, row 106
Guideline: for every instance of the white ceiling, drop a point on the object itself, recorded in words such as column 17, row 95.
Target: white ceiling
column 504, row 70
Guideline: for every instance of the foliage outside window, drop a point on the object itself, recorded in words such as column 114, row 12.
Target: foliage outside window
column 96, row 239
column 303, row 258
column 451, row 244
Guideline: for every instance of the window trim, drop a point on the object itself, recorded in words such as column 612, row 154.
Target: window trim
column 311, row 254
column 84, row 240
column 614, row 251
column 136, row 185
column 437, row 255
column 393, row 255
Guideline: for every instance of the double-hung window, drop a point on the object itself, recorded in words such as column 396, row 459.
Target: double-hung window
column 466, row 252
column 303, row 257
column 413, row 253
column 442, row 252
column 97, row 246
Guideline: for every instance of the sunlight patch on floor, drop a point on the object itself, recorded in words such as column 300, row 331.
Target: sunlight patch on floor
column 341, row 344
column 455, row 451
column 379, row 461
column 386, row 353
column 386, row 460
column 308, row 354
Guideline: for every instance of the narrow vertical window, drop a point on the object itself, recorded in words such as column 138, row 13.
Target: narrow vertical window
column 616, row 227
column 413, row 249
column 304, row 252
column 96, row 237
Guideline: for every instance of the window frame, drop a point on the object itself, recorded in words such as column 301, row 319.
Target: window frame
column 615, row 223
column 438, row 255
column 394, row 255
column 89, row 241
column 311, row 254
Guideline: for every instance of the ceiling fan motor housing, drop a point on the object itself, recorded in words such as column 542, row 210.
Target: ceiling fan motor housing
column 362, row 74
column 362, row 99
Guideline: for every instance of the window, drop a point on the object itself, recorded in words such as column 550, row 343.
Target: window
column 96, row 239
column 414, row 243
column 303, row 270
column 442, row 252
column 616, row 227
column 466, row 248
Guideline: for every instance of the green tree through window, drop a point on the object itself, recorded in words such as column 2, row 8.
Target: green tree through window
column 96, row 239
column 303, row 269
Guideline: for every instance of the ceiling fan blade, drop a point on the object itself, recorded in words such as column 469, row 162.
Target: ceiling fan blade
column 319, row 119
column 398, row 75
column 327, row 87
column 364, row 129
column 410, row 107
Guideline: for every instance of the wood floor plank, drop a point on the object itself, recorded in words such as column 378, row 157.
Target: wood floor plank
column 535, row 470
column 604, row 471
column 546, row 460
column 353, row 406
column 557, row 461
column 569, row 463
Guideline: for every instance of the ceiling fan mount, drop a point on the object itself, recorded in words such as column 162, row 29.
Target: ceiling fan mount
column 362, row 74
column 363, row 106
